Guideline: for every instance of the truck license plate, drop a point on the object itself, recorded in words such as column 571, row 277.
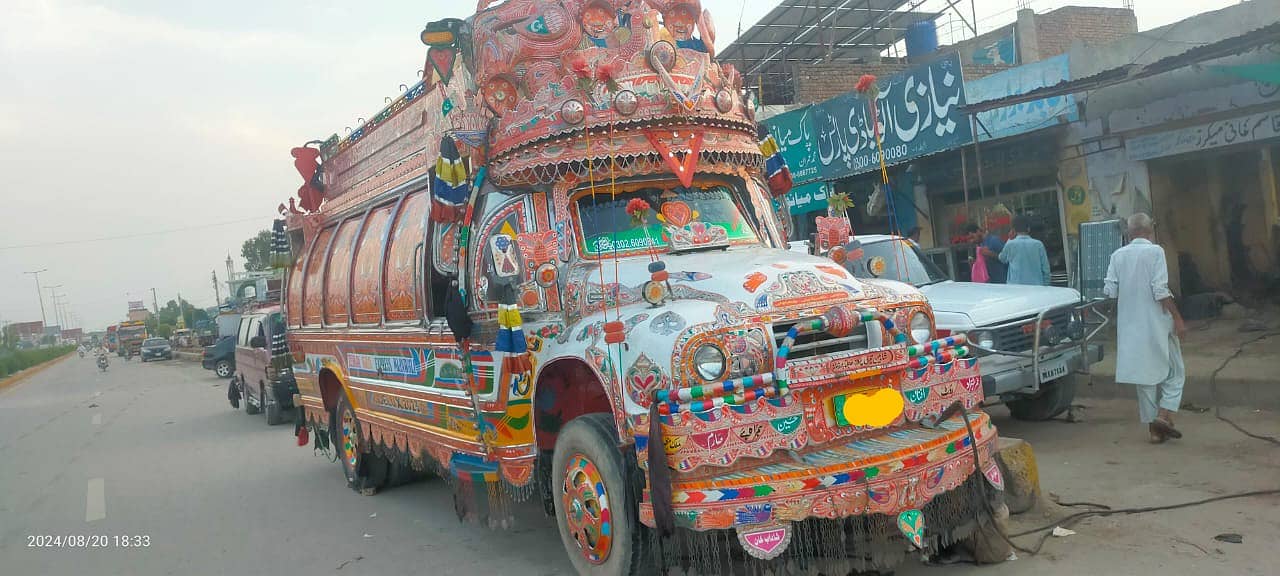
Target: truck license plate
column 1053, row 370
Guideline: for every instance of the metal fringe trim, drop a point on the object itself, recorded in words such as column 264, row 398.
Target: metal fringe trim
column 819, row 546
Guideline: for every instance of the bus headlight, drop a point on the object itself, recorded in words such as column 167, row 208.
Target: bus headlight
column 709, row 361
column 921, row 328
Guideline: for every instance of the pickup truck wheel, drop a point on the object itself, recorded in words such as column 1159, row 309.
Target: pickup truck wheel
column 249, row 407
column 275, row 414
column 366, row 472
column 595, row 509
column 222, row 369
column 1054, row 398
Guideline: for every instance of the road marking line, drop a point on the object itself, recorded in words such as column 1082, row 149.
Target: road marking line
column 97, row 419
column 95, row 506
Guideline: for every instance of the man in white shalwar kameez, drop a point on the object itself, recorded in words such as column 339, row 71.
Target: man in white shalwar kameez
column 1148, row 325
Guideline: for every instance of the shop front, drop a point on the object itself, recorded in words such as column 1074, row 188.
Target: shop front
column 1214, row 190
column 831, row 148
column 1012, row 170
column 1018, row 177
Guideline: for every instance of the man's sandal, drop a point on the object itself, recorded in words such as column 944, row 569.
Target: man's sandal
column 1166, row 428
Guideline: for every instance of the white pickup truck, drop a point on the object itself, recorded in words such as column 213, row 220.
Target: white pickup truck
column 1030, row 340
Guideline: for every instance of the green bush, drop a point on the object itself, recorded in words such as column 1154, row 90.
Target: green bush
column 14, row 361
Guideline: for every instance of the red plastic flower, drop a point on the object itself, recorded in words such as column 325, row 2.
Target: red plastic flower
column 608, row 71
column 637, row 208
column 865, row 82
column 579, row 65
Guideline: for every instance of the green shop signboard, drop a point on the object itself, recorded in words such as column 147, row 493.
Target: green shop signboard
column 919, row 114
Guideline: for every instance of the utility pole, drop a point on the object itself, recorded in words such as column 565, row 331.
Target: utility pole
column 217, row 290
column 40, row 293
column 155, row 304
column 61, row 307
column 54, row 298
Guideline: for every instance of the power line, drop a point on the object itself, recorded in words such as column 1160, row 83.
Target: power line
column 130, row 236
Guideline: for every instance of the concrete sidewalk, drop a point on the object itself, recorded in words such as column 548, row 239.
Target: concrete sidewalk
column 1251, row 378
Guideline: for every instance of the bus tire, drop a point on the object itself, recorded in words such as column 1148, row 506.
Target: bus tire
column 365, row 471
column 586, row 456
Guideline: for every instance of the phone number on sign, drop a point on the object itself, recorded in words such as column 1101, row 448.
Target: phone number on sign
column 88, row 541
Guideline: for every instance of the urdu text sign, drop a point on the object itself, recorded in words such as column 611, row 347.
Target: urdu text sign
column 919, row 113
column 1239, row 130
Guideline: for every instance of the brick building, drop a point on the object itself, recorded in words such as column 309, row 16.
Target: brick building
column 1033, row 37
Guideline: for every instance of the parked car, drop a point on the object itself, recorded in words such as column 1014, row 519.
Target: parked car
column 220, row 357
column 1029, row 339
column 156, row 349
column 265, row 382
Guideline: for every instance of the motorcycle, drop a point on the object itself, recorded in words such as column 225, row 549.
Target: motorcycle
column 82, row 353
column 102, row 363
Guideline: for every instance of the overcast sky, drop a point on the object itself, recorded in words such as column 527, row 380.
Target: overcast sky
column 171, row 122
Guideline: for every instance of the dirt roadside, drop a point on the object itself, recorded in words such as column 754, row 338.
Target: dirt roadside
column 1105, row 458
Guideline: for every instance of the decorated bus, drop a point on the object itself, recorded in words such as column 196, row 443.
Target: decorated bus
column 555, row 268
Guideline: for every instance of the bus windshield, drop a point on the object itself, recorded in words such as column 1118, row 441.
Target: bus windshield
column 672, row 218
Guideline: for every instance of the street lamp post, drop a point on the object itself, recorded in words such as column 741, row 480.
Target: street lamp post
column 39, row 292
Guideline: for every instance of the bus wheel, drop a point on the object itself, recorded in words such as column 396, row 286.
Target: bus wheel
column 598, row 519
column 365, row 471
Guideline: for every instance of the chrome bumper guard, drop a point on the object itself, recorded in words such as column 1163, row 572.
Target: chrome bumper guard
column 1092, row 319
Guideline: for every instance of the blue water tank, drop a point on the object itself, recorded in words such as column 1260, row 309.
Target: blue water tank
column 921, row 39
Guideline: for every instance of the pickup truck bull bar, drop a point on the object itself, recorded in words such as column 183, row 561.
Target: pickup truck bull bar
column 1093, row 320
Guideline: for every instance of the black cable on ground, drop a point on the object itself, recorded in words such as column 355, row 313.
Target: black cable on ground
column 1213, row 390
column 1073, row 518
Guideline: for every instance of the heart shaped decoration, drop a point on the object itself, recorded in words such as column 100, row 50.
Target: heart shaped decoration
column 676, row 213
column 911, row 523
column 992, row 472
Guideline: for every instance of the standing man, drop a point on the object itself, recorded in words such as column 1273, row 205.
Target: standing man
column 1027, row 259
column 1148, row 353
column 989, row 247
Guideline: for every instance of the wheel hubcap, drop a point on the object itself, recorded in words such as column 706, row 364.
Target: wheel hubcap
column 586, row 509
column 348, row 439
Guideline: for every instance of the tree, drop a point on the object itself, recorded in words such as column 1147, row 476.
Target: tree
column 169, row 313
column 257, row 252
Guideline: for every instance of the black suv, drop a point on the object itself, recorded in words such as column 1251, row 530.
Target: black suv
column 221, row 357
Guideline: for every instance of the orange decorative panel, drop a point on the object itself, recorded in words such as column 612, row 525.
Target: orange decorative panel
column 337, row 281
column 366, row 275
column 313, row 297
column 293, row 300
column 398, row 296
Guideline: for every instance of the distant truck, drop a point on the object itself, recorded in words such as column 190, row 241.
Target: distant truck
column 130, row 336
column 110, row 341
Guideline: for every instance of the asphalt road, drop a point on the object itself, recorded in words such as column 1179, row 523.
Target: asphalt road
column 154, row 453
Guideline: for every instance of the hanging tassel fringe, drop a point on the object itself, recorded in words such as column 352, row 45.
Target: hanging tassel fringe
column 819, row 546
column 451, row 188
column 281, row 256
column 776, row 172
